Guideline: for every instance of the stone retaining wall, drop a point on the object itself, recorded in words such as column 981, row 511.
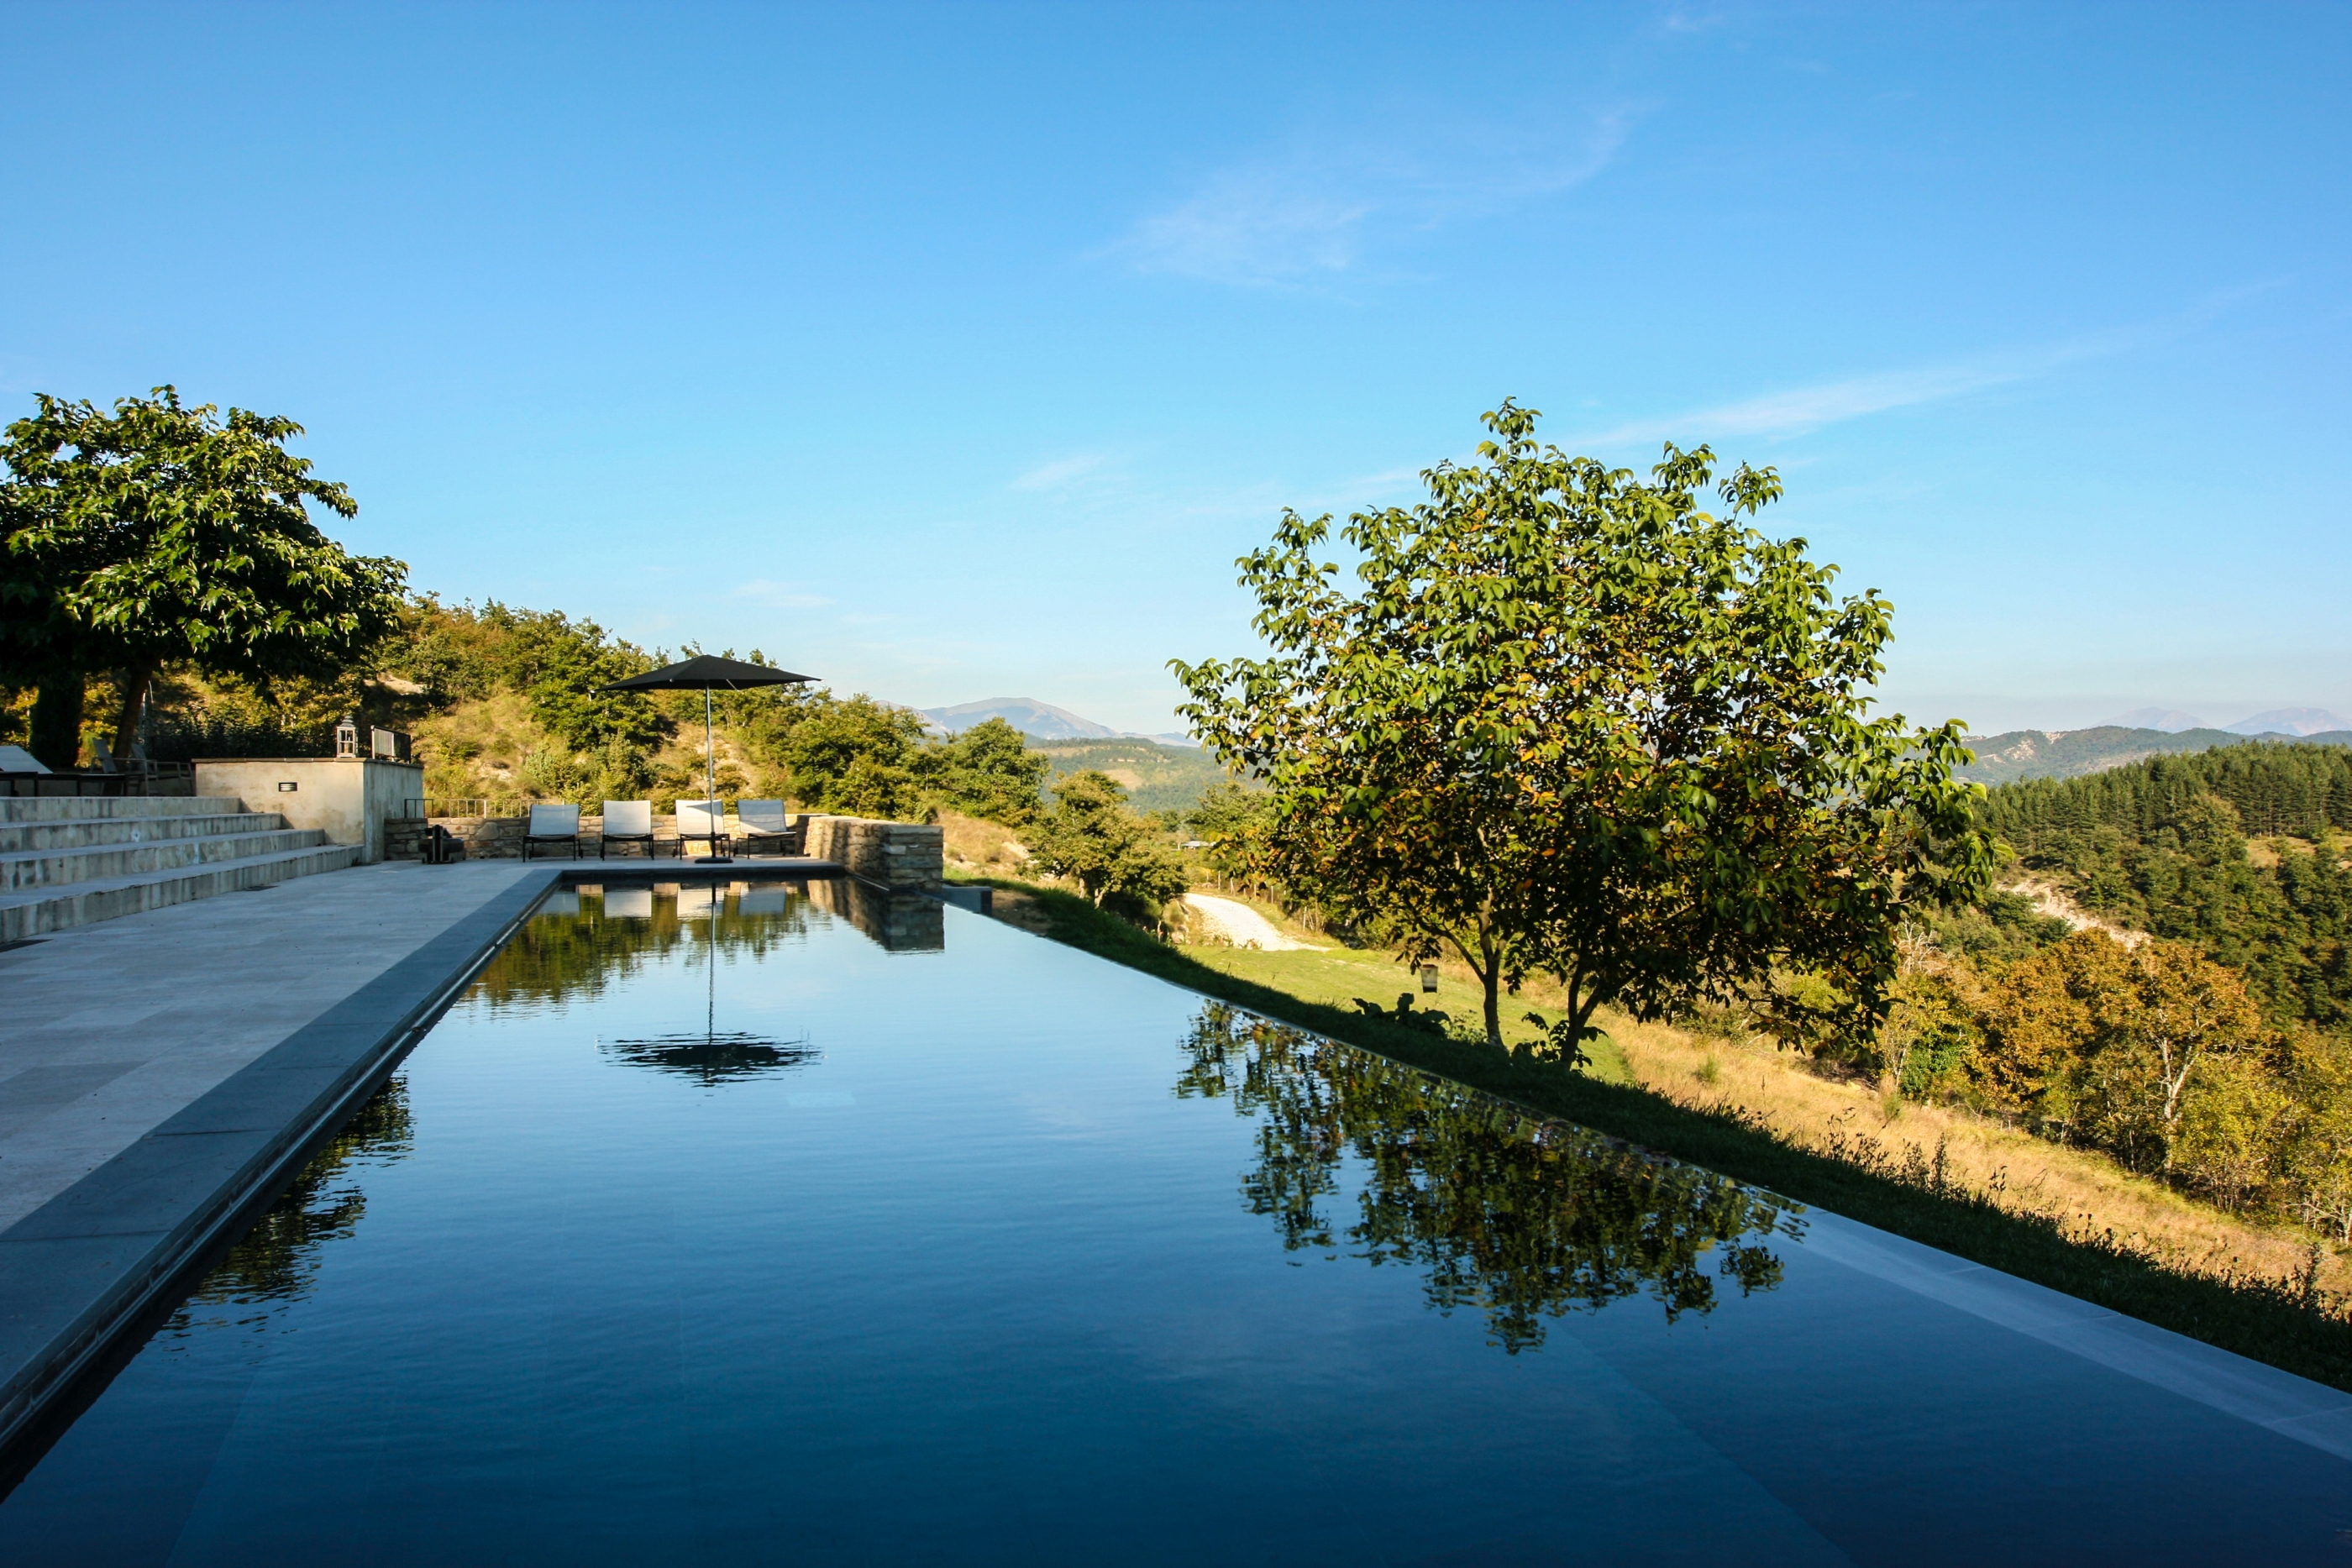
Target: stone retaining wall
column 485, row 838
column 896, row 854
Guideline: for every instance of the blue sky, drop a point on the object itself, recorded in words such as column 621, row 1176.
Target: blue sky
column 953, row 352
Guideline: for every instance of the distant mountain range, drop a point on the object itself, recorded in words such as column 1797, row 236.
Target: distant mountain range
column 1042, row 720
column 2017, row 754
column 2277, row 721
column 2064, row 753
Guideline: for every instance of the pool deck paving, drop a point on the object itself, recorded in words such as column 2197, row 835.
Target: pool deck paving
column 161, row 1072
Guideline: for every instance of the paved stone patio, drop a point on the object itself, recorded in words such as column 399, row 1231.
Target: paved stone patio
column 109, row 1030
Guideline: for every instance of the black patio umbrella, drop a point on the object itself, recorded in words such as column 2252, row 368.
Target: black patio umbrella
column 707, row 673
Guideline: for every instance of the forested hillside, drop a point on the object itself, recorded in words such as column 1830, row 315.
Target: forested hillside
column 2210, row 1046
column 2239, row 851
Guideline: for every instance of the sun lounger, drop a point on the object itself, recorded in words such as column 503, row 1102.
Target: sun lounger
column 765, row 829
column 627, row 822
column 702, row 821
column 552, row 825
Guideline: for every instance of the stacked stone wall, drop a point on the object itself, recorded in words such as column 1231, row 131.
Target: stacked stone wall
column 896, row 854
column 485, row 838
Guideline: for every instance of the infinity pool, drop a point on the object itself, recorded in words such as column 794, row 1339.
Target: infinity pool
column 780, row 1224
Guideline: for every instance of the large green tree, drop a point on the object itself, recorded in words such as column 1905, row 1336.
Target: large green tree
column 162, row 534
column 1092, row 838
column 989, row 771
column 1570, row 722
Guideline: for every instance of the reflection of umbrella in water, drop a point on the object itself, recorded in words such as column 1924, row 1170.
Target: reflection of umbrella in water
column 711, row 1056
column 707, row 673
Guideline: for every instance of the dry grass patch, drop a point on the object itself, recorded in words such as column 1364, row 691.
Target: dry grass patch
column 2083, row 1192
column 979, row 848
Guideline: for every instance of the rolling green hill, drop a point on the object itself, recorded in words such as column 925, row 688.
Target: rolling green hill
column 1158, row 777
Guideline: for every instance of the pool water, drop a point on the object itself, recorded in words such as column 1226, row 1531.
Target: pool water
column 777, row 1223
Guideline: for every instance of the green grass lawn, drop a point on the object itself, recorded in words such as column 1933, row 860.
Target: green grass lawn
column 1316, row 990
column 1337, row 976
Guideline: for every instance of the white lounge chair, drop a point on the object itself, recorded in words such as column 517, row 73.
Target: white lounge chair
column 702, row 821
column 552, row 825
column 627, row 822
column 765, row 829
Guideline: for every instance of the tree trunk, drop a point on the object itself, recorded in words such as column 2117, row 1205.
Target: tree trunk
column 57, row 721
column 135, row 682
column 1490, row 972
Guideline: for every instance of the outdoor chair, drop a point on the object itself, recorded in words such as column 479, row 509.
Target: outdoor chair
column 704, row 821
column 147, row 766
column 552, row 825
column 765, row 830
column 627, row 822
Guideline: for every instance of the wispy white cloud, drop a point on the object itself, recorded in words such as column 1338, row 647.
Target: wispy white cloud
column 1797, row 410
column 1061, row 472
column 779, row 595
column 1316, row 210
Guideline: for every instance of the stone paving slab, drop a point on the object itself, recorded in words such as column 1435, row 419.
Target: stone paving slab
column 160, row 1006
column 158, row 1072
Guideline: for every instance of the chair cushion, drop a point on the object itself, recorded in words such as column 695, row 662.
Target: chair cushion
column 554, row 822
column 761, row 816
column 628, row 819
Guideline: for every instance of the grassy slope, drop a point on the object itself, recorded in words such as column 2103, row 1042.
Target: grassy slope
column 476, row 747
column 2252, row 1314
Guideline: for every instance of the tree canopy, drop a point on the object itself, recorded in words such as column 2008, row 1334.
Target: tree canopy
column 161, row 533
column 1092, row 838
column 1571, row 722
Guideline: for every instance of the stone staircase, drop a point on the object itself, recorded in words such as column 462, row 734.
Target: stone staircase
column 66, row 861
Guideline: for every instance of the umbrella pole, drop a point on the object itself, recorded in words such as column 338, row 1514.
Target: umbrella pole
column 709, row 770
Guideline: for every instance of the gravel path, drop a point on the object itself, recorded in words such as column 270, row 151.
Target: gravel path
column 1243, row 927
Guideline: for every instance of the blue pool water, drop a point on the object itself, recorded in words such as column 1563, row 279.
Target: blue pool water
column 776, row 1226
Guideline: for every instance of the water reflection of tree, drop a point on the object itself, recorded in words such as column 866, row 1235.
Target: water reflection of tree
column 566, row 956
column 274, row 1261
column 1522, row 1219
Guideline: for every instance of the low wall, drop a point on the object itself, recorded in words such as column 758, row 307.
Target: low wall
column 485, row 838
column 349, row 798
column 896, row 854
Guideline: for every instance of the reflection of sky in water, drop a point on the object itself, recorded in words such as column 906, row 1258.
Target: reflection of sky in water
column 1041, row 1261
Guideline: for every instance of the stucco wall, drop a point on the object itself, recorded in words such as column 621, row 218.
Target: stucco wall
column 349, row 798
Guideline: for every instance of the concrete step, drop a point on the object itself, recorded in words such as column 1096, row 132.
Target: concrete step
column 41, row 911
column 58, row 868
column 18, row 837
column 90, row 807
